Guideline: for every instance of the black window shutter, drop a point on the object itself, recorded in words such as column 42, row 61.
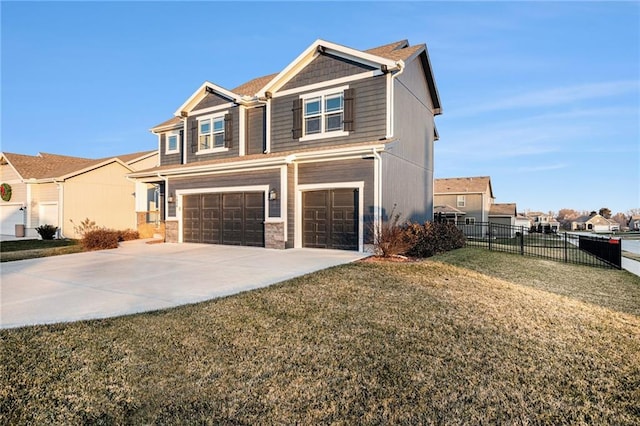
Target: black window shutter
column 194, row 136
column 181, row 140
column 297, row 119
column 228, row 130
column 349, row 110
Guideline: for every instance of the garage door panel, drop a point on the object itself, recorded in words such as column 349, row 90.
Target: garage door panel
column 10, row 216
column 330, row 219
column 224, row 218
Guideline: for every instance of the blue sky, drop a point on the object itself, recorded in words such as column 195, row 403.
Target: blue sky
column 544, row 97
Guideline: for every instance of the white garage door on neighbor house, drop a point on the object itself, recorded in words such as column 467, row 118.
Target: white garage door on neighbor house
column 10, row 216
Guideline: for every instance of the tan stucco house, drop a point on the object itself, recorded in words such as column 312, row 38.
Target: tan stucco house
column 62, row 190
column 594, row 223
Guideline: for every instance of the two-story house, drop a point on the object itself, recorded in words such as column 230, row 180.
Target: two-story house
column 469, row 199
column 541, row 222
column 313, row 156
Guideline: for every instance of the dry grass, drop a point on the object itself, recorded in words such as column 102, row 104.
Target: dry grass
column 365, row 343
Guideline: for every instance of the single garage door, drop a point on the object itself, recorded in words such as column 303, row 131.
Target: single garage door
column 330, row 219
column 10, row 216
column 234, row 218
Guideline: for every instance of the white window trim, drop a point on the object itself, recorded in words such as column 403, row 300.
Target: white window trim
column 212, row 117
column 175, row 133
column 469, row 220
column 461, row 198
column 322, row 134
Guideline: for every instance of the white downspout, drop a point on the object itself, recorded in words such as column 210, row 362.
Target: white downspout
column 377, row 191
column 391, row 99
column 60, row 208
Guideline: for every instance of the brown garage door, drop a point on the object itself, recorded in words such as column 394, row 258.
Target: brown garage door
column 330, row 219
column 234, row 218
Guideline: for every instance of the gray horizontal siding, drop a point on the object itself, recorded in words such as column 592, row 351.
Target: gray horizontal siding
column 168, row 159
column 192, row 139
column 342, row 171
column 370, row 117
column 291, row 202
column 325, row 67
column 262, row 177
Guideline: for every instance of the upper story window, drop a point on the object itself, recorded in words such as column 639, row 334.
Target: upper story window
column 173, row 142
column 323, row 114
column 461, row 200
column 214, row 133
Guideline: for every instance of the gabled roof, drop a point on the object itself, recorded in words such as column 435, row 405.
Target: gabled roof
column 168, row 124
column 311, row 52
column 135, row 156
column 251, row 87
column 463, row 185
column 503, row 209
column 199, row 95
column 54, row 166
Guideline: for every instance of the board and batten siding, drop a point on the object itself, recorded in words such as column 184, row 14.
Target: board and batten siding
column 323, row 68
column 369, row 117
column 338, row 171
column 229, row 180
column 192, row 138
column 255, row 128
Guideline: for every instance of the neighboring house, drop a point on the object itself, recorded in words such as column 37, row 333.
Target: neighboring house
column 523, row 222
column 471, row 195
column 594, row 223
column 50, row 189
column 504, row 215
column 541, row 222
column 634, row 223
column 313, row 156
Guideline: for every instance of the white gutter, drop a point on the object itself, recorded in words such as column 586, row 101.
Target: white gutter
column 391, row 99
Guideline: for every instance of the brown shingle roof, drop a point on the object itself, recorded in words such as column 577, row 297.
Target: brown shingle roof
column 503, row 209
column 168, row 123
column 45, row 165
column 251, row 87
column 49, row 166
column 462, row 185
column 384, row 49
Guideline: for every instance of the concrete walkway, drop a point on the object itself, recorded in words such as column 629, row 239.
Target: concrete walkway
column 139, row 277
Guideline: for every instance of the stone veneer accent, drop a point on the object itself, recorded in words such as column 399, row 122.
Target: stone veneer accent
column 274, row 235
column 171, row 231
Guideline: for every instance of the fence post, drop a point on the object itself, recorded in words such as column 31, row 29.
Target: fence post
column 522, row 240
column 489, row 235
column 565, row 248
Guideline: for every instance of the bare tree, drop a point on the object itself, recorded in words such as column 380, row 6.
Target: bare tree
column 605, row 212
column 620, row 218
column 633, row 212
column 566, row 216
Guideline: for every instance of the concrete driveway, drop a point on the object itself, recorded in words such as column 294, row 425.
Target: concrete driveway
column 139, row 277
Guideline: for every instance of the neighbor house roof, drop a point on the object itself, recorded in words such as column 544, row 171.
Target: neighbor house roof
column 462, row 185
column 503, row 209
column 52, row 166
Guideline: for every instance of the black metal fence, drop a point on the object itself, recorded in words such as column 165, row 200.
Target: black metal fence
column 563, row 247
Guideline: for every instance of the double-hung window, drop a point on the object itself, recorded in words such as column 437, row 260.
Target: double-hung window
column 211, row 133
column 323, row 114
column 461, row 201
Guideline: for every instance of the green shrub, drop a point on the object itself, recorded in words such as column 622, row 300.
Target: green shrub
column 47, row 232
column 100, row 239
column 432, row 238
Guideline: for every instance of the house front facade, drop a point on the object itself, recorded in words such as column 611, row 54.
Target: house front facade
column 595, row 223
column 313, row 156
column 58, row 190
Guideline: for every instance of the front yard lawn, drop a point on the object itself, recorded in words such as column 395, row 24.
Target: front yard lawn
column 365, row 343
column 30, row 249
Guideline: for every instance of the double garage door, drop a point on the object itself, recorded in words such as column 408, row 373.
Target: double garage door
column 330, row 219
column 235, row 218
